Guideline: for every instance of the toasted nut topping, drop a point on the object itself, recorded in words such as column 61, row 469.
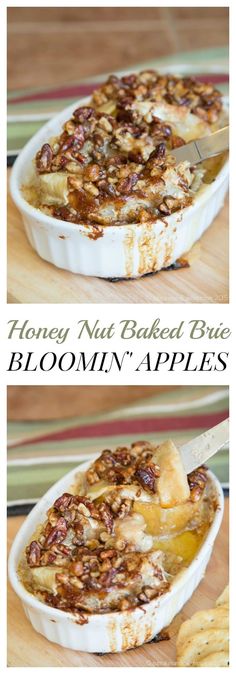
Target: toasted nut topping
column 121, row 150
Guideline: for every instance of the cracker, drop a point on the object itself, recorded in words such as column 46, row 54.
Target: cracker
column 201, row 645
column 203, row 641
column 220, row 659
column 212, row 619
column 224, row 597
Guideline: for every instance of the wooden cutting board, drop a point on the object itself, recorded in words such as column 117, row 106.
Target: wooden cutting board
column 31, row 279
column 27, row 648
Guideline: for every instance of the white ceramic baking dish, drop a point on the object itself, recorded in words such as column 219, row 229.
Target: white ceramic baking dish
column 110, row 632
column 124, row 251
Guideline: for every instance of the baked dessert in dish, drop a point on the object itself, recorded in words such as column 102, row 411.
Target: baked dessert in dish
column 180, row 532
column 98, row 189
column 118, row 539
column 112, row 163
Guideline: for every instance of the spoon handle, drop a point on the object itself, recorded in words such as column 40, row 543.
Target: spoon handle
column 200, row 449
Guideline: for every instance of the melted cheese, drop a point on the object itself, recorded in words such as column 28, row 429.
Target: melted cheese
column 132, row 529
column 185, row 123
column 184, row 545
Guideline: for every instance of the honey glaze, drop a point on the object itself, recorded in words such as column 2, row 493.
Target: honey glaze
column 168, row 521
column 179, row 530
column 213, row 166
column 186, row 544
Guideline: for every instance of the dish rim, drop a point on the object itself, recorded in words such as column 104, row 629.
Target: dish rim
column 30, row 600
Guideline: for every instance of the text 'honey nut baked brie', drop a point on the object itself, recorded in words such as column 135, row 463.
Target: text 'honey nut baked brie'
column 130, row 523
column 112, row 163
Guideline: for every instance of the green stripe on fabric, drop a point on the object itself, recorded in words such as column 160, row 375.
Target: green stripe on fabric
column 26, row 474
column 28, row 482
column 219, row 464
column 42, row 106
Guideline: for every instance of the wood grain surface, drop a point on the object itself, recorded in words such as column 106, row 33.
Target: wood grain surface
column 49, row 46
column 27, row 648
column 32, row 280
column 60, row 402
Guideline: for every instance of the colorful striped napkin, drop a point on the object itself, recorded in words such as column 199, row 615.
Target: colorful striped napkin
column 29, row 110
column 39, row 453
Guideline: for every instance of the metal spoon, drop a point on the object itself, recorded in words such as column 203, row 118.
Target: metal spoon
column 203, row 148
column 198, row 451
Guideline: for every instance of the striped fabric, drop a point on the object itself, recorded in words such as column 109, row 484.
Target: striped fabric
column 39, row 453
column 28, row 110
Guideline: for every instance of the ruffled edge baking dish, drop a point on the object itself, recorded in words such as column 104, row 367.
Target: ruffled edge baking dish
column 116, row 631
column 122, row 251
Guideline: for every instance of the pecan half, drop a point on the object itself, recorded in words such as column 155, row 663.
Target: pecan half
column 126, row 185
column 158, row 155
column 63, row 502
column 129, row 80
column 33, row 553
column 57, row 533
column 147, row 477
column 197, row 481
column 44, row 158
column 82, row 114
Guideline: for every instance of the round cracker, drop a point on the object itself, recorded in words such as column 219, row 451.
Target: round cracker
column 201, row 620
column 219, row 659
column 202, row 644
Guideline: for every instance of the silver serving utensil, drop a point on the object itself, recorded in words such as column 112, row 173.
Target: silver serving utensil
column 203, row 148
column 200, row 449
